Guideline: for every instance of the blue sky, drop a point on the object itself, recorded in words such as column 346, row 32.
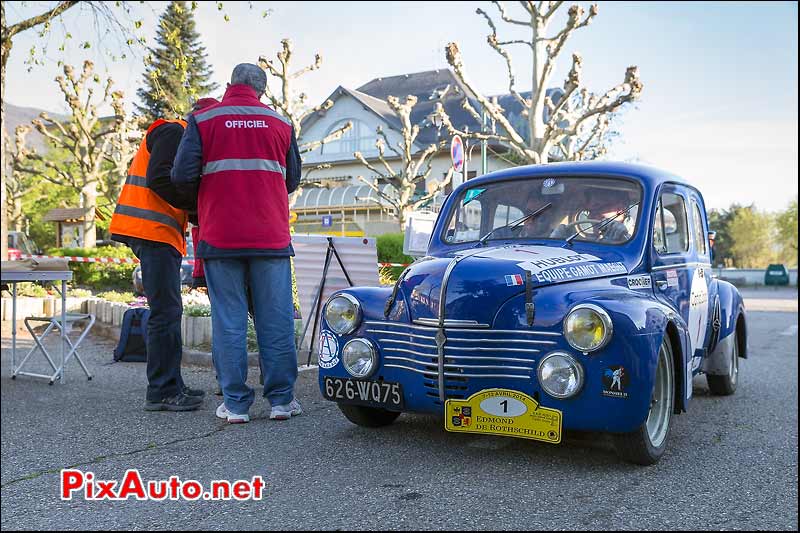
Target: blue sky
column 719, row 104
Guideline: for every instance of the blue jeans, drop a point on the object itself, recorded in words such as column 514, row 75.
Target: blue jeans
column 161, row 277
column 270, row 282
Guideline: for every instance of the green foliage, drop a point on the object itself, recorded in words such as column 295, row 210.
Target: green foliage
column 79, row 293
column 100, row 276
column 751, row 246
column 390, row 250
column 177, row 72
column 33, row 290
column 786, row 226
column 252, row 340
column 41, row 196
column 117, row 297
column 197, row 310
column 744, row 237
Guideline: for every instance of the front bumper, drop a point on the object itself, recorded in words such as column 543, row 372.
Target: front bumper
column 480, row 359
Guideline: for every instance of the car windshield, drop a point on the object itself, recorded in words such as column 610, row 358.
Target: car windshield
column 577, row 206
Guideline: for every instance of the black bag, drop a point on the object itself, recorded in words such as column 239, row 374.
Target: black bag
column 132, row 347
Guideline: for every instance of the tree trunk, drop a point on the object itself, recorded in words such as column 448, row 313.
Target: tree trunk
column 536, row 113
column 16, row 213
column 5, row 50
column 89, row 227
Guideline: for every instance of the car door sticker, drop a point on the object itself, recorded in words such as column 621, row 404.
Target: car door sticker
column 672, row 278
column 640, row 282
column 698, row 311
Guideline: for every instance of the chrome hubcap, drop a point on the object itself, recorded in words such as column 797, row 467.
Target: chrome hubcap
column 661, row 402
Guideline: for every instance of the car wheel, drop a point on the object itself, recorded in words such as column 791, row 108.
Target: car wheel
column 726, row 385
column 647, row 443
column 368, row 417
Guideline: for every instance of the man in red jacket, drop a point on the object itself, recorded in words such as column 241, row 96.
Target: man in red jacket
column 247, row 156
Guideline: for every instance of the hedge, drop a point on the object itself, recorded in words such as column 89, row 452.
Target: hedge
column 390, row 250
column 100, row 276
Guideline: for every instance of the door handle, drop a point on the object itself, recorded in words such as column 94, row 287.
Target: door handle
column 661, row 284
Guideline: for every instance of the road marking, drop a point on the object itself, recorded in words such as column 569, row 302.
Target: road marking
column 303, row 368
column 790, row 331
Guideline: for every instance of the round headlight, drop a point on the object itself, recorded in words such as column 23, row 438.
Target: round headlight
column 560, row 375
column 359, row 358
column 587, row 328
column 343, row 313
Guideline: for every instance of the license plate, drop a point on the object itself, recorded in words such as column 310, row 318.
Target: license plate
column 382, row 394
column 503, row 412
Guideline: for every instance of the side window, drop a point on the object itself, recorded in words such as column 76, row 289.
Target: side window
column 699, row 233
column 466, row 225
column 675, row 234
column 658, row 231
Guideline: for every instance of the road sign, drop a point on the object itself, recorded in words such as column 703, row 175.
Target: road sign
column 457, row 153
column 327, row 221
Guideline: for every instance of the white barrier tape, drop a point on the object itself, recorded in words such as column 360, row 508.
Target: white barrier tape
column 73, row 259
column 121, row 260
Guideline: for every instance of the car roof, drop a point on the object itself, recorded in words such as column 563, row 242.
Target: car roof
column 650, row 176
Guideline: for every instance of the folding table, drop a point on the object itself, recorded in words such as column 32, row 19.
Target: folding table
column 59, row 322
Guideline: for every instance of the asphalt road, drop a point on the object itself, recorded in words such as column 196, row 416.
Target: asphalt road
column 731, row 462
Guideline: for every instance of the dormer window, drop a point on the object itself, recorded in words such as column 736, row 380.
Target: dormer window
column 359, row 138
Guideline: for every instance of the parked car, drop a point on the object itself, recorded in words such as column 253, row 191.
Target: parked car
column 776, row 274
column 19, row 244
column 536, row 312
column 187, row 266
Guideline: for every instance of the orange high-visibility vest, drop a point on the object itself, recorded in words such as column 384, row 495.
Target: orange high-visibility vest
column 142, row 213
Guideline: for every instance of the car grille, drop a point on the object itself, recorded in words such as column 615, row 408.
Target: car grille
column 469, row 353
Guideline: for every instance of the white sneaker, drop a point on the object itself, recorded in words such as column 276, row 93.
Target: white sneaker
column 285, row 412
column 232, row 418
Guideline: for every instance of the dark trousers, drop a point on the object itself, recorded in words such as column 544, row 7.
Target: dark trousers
column 161, row 277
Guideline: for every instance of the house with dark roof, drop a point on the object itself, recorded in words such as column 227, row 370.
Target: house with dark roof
column 367, row 109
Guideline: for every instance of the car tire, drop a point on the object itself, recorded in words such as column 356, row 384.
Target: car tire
column 368, row 417
column 647, row 443
column 726, row 385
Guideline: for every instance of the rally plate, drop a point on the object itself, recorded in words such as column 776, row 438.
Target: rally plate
column 503, row 412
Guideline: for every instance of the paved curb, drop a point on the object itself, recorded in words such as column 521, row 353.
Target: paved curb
column 190, row 356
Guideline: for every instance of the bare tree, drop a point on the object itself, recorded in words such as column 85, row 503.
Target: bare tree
column 16, row 186
column 98, row 148
column 293, row 105
column 415, row 165
column 577, row 124
column 100, row 11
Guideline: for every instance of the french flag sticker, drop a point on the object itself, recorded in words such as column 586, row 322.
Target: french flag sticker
column 513, row 280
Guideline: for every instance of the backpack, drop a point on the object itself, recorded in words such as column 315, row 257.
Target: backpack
column 132, row 347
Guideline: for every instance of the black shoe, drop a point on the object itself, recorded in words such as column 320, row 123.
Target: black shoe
column 193, row 392
column 179, row 402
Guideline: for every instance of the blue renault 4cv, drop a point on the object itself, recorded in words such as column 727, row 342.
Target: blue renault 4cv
column 568, row 296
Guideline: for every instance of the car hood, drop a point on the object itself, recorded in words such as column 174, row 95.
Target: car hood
column 481, row 280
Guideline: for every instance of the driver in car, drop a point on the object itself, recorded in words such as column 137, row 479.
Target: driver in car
column 600, row 204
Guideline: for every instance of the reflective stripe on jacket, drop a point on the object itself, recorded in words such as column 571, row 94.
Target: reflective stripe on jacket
column 143, row 214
